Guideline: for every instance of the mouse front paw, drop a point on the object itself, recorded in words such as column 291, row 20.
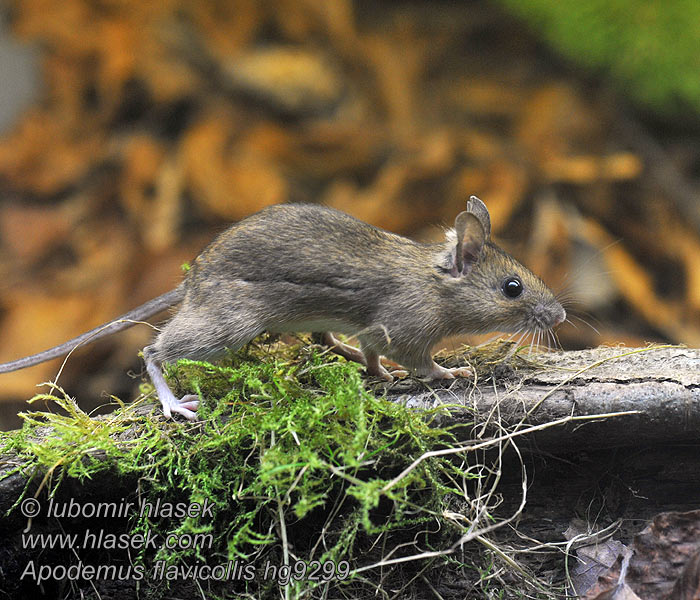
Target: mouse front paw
column 461, row 372
column 439, row 372
column 399, row 373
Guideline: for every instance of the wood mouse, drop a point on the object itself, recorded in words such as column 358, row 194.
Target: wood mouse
column 305, row 267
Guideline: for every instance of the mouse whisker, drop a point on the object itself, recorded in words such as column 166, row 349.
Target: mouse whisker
column 585, row 323
column 570, row 322
column 493, row 338
column 520, row 339
column 514, row 349
column 512, row 335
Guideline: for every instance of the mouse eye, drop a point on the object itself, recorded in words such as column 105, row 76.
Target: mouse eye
column 512, row 287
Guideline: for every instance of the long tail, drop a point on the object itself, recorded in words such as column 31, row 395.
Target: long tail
column 125, row 321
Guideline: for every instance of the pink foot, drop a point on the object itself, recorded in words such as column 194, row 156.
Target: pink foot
column 376, row 368
column 185, row 406
column 345, row 350
column 439, row 372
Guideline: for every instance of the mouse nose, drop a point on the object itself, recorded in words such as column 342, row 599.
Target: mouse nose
column 561, row 317
column 549, row 314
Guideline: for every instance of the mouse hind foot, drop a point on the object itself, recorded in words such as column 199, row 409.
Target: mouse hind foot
column 436, row 372
column 186, row 406
column 196, row 336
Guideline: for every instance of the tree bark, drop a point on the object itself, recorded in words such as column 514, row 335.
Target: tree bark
column 627, row 467
column 659, row 386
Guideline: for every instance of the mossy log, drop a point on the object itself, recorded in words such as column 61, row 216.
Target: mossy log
column 658, row 387
column 550, row 400
column 612, row 431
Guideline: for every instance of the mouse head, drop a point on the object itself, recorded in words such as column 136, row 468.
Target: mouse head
column 496, row 291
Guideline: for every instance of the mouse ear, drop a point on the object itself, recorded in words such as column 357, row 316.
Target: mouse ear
column 479, row 210
column 471, row 238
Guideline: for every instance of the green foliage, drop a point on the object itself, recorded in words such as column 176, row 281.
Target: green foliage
column 285, row 445
column 649, row 48
column 76, row 442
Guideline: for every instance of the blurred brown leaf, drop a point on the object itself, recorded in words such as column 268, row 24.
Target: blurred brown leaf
column 228, row 185
column 26, row 164
column 29, row 232
column 163, row 122
column 290, row 79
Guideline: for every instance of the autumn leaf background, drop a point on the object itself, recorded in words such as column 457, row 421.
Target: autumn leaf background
column 153, row 125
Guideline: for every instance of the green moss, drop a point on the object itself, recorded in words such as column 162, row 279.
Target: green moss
column 649, row 48
column 290, row 445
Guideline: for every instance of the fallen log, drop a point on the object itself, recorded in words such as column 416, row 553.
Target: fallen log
column 657, row 387
column 612, row 428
